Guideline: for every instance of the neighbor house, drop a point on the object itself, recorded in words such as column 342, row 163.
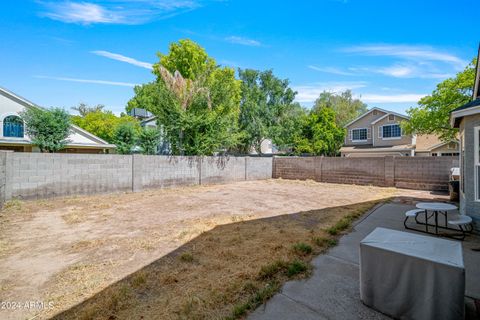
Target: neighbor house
column 378, row 133
column 13, row 136
column 467, row 119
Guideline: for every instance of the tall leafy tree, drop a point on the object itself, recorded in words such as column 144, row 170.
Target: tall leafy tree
column 148, row 140
column 47, row 128
column 432, row 114
column 103, row 123
column 195, row 101
column 125, row 138
column 265, row 101
column 320, row 134
column 346, row 107
column 83, row 109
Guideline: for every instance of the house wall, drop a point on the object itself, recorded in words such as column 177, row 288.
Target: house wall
column 468, row 205
column 379, row 142
column 40, row 175
column 402, row 172
column 364, row 122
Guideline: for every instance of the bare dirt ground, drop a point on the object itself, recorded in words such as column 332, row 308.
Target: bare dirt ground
column 57, row 253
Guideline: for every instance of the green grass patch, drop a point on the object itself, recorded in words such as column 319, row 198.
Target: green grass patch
column 259, row 297
column 325, row 242
column 186, row 257
column 296, row 267
column 302, row 248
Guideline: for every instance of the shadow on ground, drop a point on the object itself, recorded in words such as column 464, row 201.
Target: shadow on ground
column 226, row 271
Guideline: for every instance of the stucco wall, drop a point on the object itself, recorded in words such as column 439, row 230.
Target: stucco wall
column 378, row 142
column 468, row 204
column 40, row 175
column 364, row 122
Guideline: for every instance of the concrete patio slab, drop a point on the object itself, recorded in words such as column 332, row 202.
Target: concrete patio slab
column 332, row 292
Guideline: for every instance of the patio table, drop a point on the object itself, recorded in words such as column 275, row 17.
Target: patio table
column 436, row 208
column 411, row 276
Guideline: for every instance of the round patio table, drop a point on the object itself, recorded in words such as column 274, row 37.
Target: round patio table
column 436, row 207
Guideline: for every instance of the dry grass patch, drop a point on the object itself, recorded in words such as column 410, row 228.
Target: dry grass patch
column 225, row 272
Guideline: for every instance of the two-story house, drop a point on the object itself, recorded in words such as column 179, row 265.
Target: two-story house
column 377, row 133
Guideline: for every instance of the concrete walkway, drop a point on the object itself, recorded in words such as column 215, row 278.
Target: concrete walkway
column 332, row 292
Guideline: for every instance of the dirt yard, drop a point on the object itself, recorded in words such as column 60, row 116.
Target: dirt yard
column 194, row 252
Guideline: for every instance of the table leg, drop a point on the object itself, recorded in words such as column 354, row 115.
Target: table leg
column 436, row 222
column 446, row 222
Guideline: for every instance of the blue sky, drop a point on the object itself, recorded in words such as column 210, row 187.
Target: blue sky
column 60, row 53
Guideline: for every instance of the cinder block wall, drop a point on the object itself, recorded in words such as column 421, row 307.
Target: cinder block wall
column 430, row 173
column 40, row 175
column 222, row 169
column 164, row 171
column 37, row 175
column 425, row 173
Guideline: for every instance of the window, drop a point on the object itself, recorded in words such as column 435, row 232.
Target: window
column 450, row 154
column 13, row 127
column 476, row 162
column 391, row 131
column 374, row 112
column 391, row 117
column 359, row 134
column 434, row 154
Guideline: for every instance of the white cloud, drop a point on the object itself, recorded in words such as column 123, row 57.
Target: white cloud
column 122, row 58
column 331, row 70
column 106, row 82
column 310, row 93
column 409, row 52
column 394, row 98
column 243, row 41
column 116, row 11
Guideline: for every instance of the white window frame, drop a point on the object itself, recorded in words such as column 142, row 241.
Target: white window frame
column 366, row 135
column 476, row 160
column 391, row 138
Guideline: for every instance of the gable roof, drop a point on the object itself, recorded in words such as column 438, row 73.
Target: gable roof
column 378, row 109
column 386, row 115
column 428, row 142
column 28, row 104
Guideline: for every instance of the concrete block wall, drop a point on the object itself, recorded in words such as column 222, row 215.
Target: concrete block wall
column 258, row 168
column 430, row 173
column 222, row 169
column 426, row 173
column 37, row 175
column 164, row 171
column 40, row 175
column 363, row 171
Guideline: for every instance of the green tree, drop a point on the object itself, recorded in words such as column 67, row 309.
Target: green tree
column 148, row 140
column 103, row 123
column 125, row 138
column 290, row 127
column 197, row 109
column 319, row 134
column 47, row 128
column 265, row 101
column 83, row 109
column 346, row 108
column 432, row 114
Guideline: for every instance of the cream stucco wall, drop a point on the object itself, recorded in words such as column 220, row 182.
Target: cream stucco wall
column 364, row 122
column 382, row 142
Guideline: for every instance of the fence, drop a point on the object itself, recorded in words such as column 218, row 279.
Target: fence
column 424, row 173
column 39, row 175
